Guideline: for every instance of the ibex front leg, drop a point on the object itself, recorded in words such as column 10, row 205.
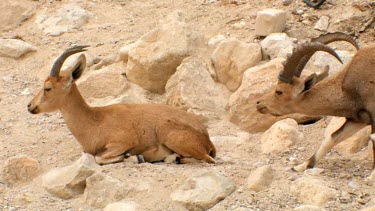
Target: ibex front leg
column 348, row 129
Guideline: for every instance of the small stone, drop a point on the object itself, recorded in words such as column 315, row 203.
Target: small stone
column 8, row 78
column 14, row 48
column 122, row 206
column 260, row 179
column 322, row 24
column 20, row 169
column 308, row 208
column 26, row 91
column 313, row 171
column 214, row 41
column 287, row 2
column 270, row 21
column 239, row 25
column 299, row 12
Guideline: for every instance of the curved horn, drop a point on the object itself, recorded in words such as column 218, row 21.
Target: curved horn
column 316, row 6
column 55, row 70
column 300, row 56
column 335, row 36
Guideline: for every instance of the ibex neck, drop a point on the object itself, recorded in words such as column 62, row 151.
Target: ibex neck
column 327, row 98
column 79, row 117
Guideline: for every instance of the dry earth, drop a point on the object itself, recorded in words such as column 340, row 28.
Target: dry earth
column 115, row 23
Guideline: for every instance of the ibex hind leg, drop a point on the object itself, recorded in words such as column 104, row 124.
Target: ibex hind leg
column 189, row 144
column 348, row 129
column 112, row 154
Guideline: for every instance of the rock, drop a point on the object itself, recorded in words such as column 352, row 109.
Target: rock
column 312, row 191
column 193, row 89
column 368, row 209
column 132, row 95
column 14, row 13
column 108, row 60
column 239, row 25
column 124, row 52
column 256, row 82
column 121, row 206
column 155, row 56
column 320, row 60
column 277, row 45
column 314, row 171
column 20, row 169
column 260, row 179
column 203, row 191
column 68, row 18
column 308, row 208
column 322, row 24
column 270, row 21
column 231, row 58
column 287, row 2
column 214, row 41
column 281, row 136
column 14, row 48
column 103, row 83
column 102, row 189
column 351, row 145
column 70, row 181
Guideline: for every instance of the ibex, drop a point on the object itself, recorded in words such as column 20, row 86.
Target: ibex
column 348, row 93
column 113, row 132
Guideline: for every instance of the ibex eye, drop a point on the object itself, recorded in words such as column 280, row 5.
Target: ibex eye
column 279, row 92
column 47, row 89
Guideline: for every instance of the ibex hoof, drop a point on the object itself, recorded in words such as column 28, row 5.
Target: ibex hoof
column 140, row 159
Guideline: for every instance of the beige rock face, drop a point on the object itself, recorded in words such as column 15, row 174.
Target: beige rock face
column 242, row 104
column 231, row 58
column 260, row 178
column 277, row 45
column 156, row 55
column 121, row 206
column 193, row 89
column 102, row 189
column 270, row 21
column 13, row 13
column 281, row 136
column 14, row 48
column 203, row 191
column 20, row 169
column 104, row 82
column 312, row 191
column 70, row 181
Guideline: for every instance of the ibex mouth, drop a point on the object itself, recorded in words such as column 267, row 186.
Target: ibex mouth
column 262, row 109
column 33, row 110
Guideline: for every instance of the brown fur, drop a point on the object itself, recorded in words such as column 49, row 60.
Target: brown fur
column 113, row 132
column 349, row 93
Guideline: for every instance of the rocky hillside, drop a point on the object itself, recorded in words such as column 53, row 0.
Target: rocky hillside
column 213, row 58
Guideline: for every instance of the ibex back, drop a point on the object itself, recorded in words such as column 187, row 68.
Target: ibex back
column 111, row 133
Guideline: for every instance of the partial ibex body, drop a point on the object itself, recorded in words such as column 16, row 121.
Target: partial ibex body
column 113, row 132
column 349, row 93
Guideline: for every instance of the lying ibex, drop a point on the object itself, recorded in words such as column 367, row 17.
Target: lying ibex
column 113, row 132
column 349, row 93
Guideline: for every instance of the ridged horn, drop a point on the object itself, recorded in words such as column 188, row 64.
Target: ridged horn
column 299, row 58
column 335, row 36
column 56, row 67
column 316, row 6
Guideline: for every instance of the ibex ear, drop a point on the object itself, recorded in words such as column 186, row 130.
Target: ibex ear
column 322, row 75
column 310, row 82
column 78, row 67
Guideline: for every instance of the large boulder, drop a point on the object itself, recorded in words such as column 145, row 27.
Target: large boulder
column 277, row 45
column 68, row 18
column 193, row 89
column 70, row 181
column 312, row 191
column 13, row 13
column 231, row 58
column 20, row 168
column 156, row 55
column 281, row 136
column 203, row 191
column 14, row 48
column 102, row 190
column 256, row 82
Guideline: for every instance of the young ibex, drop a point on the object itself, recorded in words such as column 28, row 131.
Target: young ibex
column 349, row 93
column 114, row 132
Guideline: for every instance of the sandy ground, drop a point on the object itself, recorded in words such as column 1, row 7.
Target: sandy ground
column 119, row 22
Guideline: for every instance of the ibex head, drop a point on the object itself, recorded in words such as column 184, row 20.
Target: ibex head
column 58, row 84
column 291, row 87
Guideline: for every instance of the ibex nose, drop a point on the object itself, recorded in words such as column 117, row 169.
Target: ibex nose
column 258, row 102
column 28, row 105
